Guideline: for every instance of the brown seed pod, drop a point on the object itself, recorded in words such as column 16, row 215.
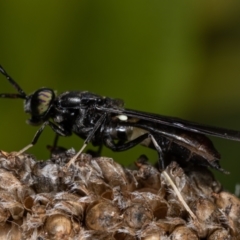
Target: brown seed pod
column 123, row 236
column 9, row 204
column 87, row 177
column 169, row 224
column 229, row 203
column 152, row 231
column 183, row 233
column 43, row 198
column 157, row 204
column 147, row 175
column 46, row 177
column 9, row 162
column 4, row 215
column 10, row 231
column 137, row 215
column 35, row 219
column 8, row 181
column 68, row 203
column 220, row 234
column 203, row 183
column 112, row 172
column 230, row 208
column 58, row 226
column 102, row 215
column 96, row 235
column 25, row 195
column 182, row 182
column 208, row 217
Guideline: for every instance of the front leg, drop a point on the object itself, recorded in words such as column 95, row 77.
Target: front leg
column 57, row 129
column 90, row 137
column 54, row 149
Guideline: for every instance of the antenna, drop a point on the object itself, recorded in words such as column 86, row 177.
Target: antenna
column 21, row 94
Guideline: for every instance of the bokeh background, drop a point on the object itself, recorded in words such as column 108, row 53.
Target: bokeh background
column 177, row 58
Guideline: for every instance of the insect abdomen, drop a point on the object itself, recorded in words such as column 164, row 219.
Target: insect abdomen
column 185, row 146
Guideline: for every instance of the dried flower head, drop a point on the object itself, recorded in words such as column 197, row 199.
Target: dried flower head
column 96, row 198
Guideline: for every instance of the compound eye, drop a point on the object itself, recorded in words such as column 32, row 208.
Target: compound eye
column 41, row 100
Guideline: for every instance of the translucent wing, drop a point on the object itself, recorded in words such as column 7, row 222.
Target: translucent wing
column 177, row 123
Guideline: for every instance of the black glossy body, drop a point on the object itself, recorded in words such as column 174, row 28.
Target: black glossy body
column 104, row 121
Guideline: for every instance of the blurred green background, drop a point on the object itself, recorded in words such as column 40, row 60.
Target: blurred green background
column 177, row 58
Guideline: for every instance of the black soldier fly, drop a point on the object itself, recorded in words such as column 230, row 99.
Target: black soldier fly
column 105, row 121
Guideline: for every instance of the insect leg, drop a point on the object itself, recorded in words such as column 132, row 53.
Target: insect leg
column 55, row 128
column 55, row 141
column 161, row 162
column 96, row 153
column 52, row 148
column 109, row 142
column 159, row 150
column 115, row 147
column 89, row 138
column 112, row 145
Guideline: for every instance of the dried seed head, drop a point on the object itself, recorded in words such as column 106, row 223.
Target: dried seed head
column 96, row 198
